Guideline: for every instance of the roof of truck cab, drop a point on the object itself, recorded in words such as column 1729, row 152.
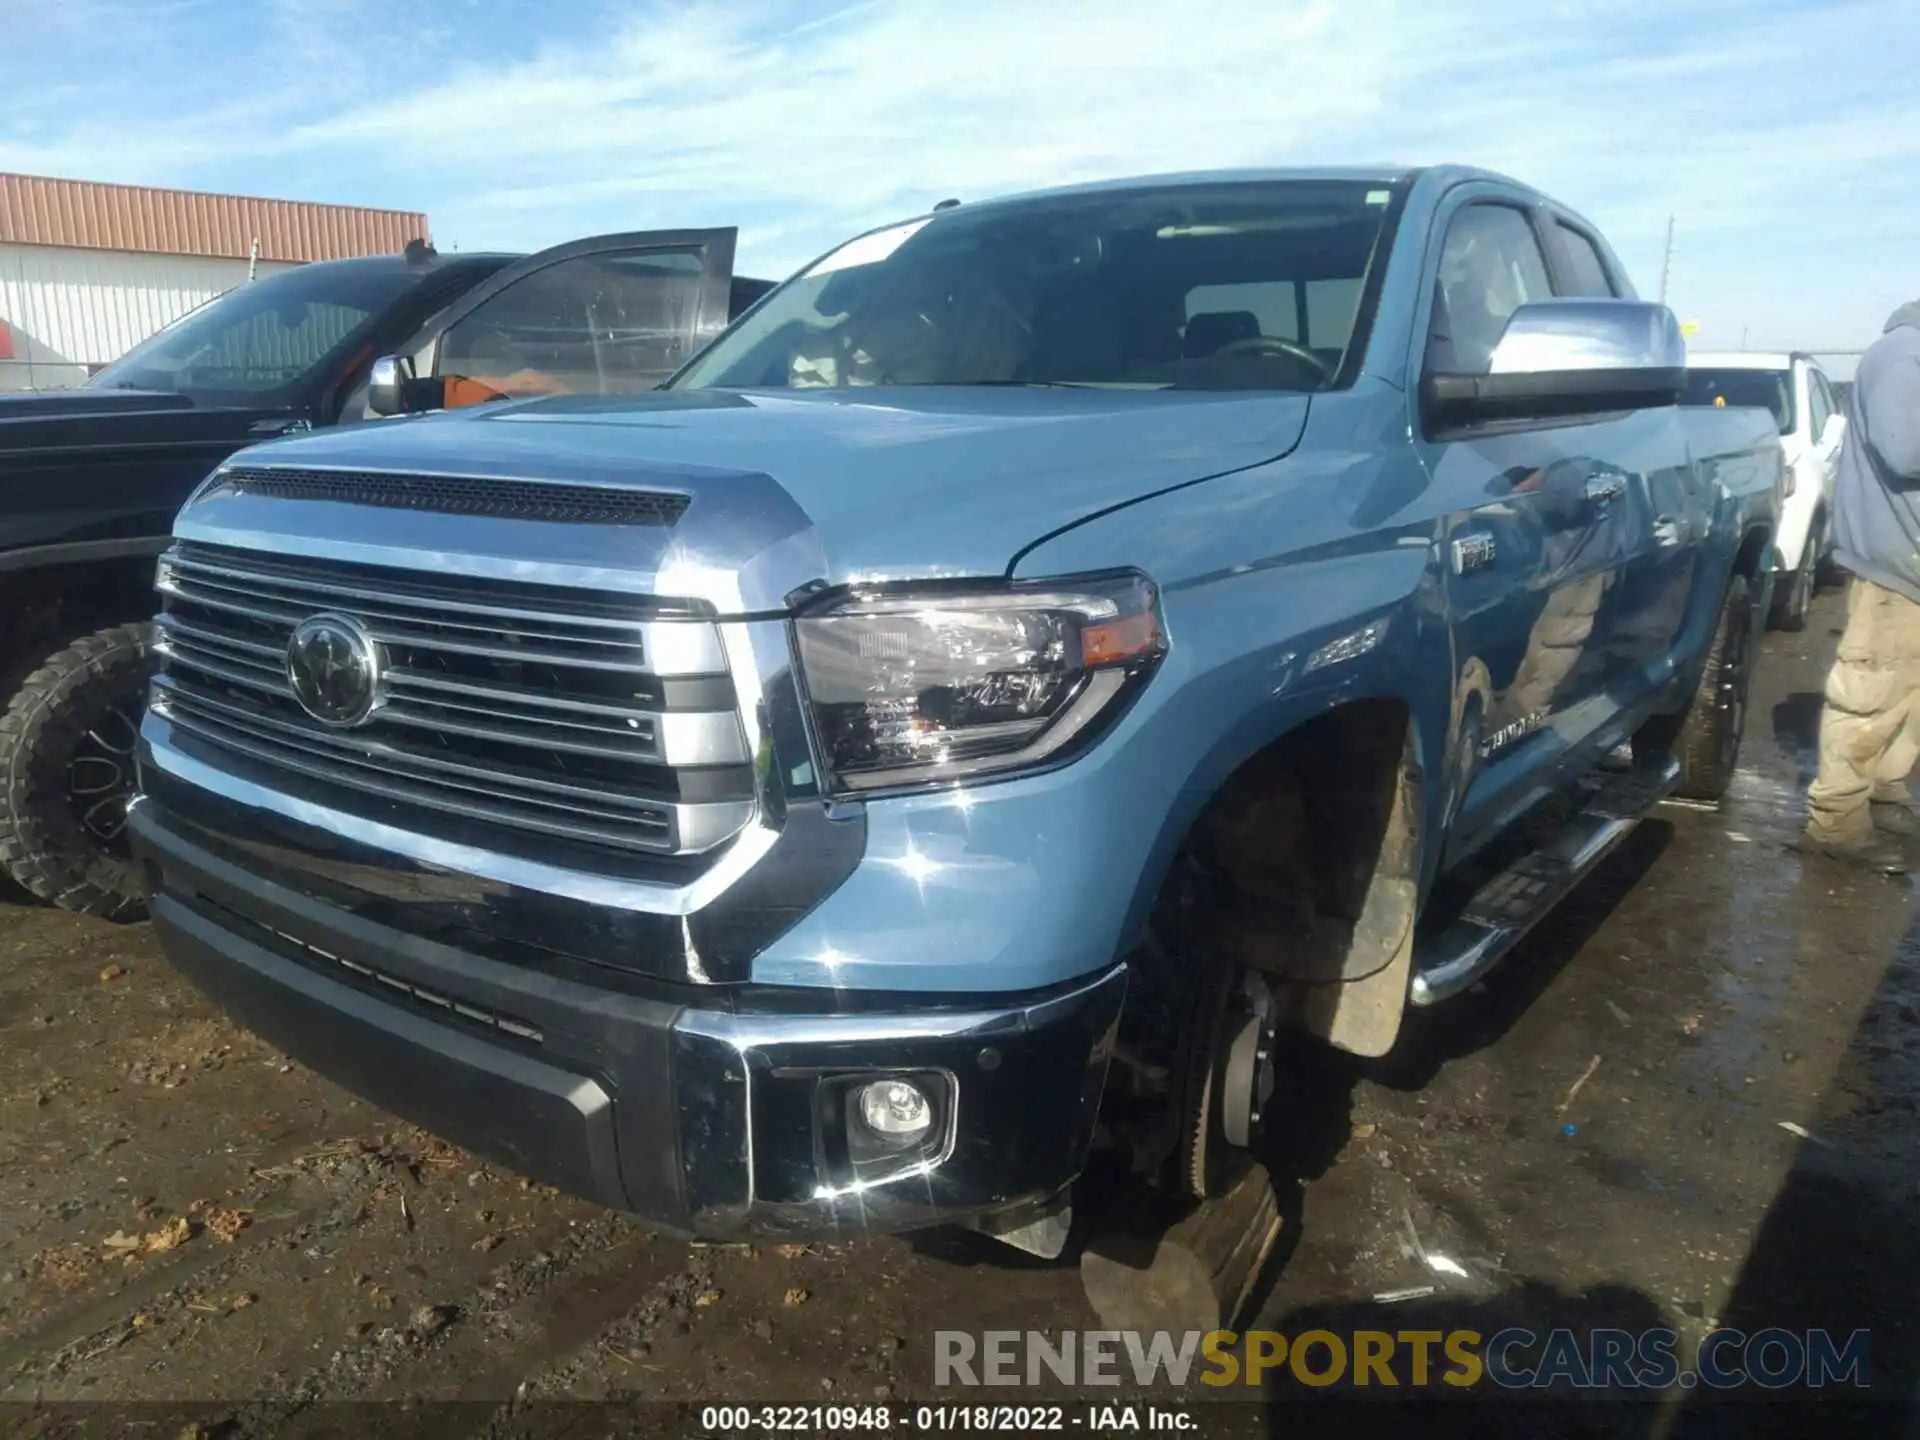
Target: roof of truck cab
column 1741, row 359
column 1440, row 177
column 393, row 263
column 1375, row 174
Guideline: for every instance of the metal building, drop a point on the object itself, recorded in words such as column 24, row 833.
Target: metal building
column 88, row 270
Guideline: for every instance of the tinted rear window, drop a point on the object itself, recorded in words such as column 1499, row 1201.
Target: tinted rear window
column 1769, row 390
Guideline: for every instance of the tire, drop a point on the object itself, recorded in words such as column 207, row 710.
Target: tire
column 1705, row 737
column 1794, row 599
column 66, row 772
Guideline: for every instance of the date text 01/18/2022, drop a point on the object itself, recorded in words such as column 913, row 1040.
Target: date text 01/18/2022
column 938, row 1419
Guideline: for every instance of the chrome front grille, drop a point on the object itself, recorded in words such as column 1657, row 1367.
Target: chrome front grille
column 585, row 717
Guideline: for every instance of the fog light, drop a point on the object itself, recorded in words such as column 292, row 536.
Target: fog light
column 897, row 1109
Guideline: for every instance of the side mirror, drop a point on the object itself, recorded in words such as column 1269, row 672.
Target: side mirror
column 386, row 385
column 1562, row 358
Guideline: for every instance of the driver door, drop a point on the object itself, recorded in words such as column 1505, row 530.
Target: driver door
column 608, row 315
column 1829, row 427
column 1543, row 527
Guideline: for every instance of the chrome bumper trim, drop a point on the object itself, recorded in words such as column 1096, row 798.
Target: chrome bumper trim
column 746, row 851
column 758, row 1031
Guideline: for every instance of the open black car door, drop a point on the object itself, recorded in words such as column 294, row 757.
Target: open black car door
column 608, row 315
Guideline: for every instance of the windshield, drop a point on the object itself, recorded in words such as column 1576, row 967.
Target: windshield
column 1239, row 286
column 1769, row 390
column 258, row 341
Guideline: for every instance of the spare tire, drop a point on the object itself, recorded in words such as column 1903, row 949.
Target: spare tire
column 67, row 740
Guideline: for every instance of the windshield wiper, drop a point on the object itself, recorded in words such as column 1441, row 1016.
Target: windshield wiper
column 1062, row 384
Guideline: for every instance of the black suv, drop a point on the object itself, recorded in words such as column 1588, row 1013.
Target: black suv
column 90, row 478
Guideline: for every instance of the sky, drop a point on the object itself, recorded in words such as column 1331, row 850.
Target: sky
column 1782, row 135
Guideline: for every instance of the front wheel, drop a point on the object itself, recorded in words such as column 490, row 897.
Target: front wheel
column 67, row 771
column 1705, row 737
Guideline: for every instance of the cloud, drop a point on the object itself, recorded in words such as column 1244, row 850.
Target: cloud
column 1783, row 137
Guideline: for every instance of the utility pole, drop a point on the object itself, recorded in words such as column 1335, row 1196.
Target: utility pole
column 1666, row 261
column 1743, row 336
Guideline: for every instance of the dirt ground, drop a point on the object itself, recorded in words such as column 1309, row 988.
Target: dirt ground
column 185, row 1217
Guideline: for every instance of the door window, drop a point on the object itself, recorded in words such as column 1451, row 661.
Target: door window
column 1823, row 403
column 1490, row 265
column 260, row 340
column 598, row 324
column 1585, row 272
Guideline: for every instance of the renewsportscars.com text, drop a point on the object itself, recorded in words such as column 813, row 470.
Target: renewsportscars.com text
column 1513, row 1358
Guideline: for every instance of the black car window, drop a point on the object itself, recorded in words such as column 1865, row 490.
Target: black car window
column 262, row 339
column 1769, row 390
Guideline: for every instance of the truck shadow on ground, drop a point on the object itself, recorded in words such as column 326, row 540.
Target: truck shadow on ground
column 1839, row 1249
column 1837, row 1252
column 1319, row 1084
column 1479, row 1409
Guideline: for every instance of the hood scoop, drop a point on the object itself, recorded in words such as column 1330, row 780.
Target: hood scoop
column 552, row 501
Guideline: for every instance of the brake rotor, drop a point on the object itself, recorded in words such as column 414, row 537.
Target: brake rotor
column 1229, row 1078
column 1241, row 1091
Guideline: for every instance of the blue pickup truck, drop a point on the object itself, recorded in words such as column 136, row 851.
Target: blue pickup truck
column 1036, row 662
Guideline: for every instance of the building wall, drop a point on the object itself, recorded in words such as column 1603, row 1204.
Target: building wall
column 87, row 215
column 65, row 309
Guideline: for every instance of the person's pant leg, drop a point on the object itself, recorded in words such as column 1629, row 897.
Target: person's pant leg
column 1555, row 647
column 1870, row 726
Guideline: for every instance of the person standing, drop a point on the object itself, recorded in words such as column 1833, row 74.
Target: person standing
column 1860, row 808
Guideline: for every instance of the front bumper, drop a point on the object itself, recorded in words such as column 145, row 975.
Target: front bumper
column 708, row 1112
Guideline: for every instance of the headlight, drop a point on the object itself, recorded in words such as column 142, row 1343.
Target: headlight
column 925, row 686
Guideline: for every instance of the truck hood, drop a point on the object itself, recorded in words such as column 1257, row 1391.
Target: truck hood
column 888, row 484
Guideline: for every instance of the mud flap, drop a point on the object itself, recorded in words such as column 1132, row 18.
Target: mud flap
column 1363, row 1014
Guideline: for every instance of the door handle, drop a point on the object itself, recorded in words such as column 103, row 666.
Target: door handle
column 1602, row 488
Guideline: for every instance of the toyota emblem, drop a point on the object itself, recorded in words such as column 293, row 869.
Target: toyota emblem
column 334, row 668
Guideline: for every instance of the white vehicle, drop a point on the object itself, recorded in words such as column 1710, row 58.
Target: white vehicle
column 1796, row 390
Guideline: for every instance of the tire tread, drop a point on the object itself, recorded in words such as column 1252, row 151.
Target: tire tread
column 33, row 852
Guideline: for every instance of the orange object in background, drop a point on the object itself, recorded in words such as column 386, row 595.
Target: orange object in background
column 458, row 390
column 522, row 384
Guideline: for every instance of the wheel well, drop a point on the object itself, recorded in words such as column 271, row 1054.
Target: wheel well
column 1304, row 866
column 48, row 606
column 1751, row 558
